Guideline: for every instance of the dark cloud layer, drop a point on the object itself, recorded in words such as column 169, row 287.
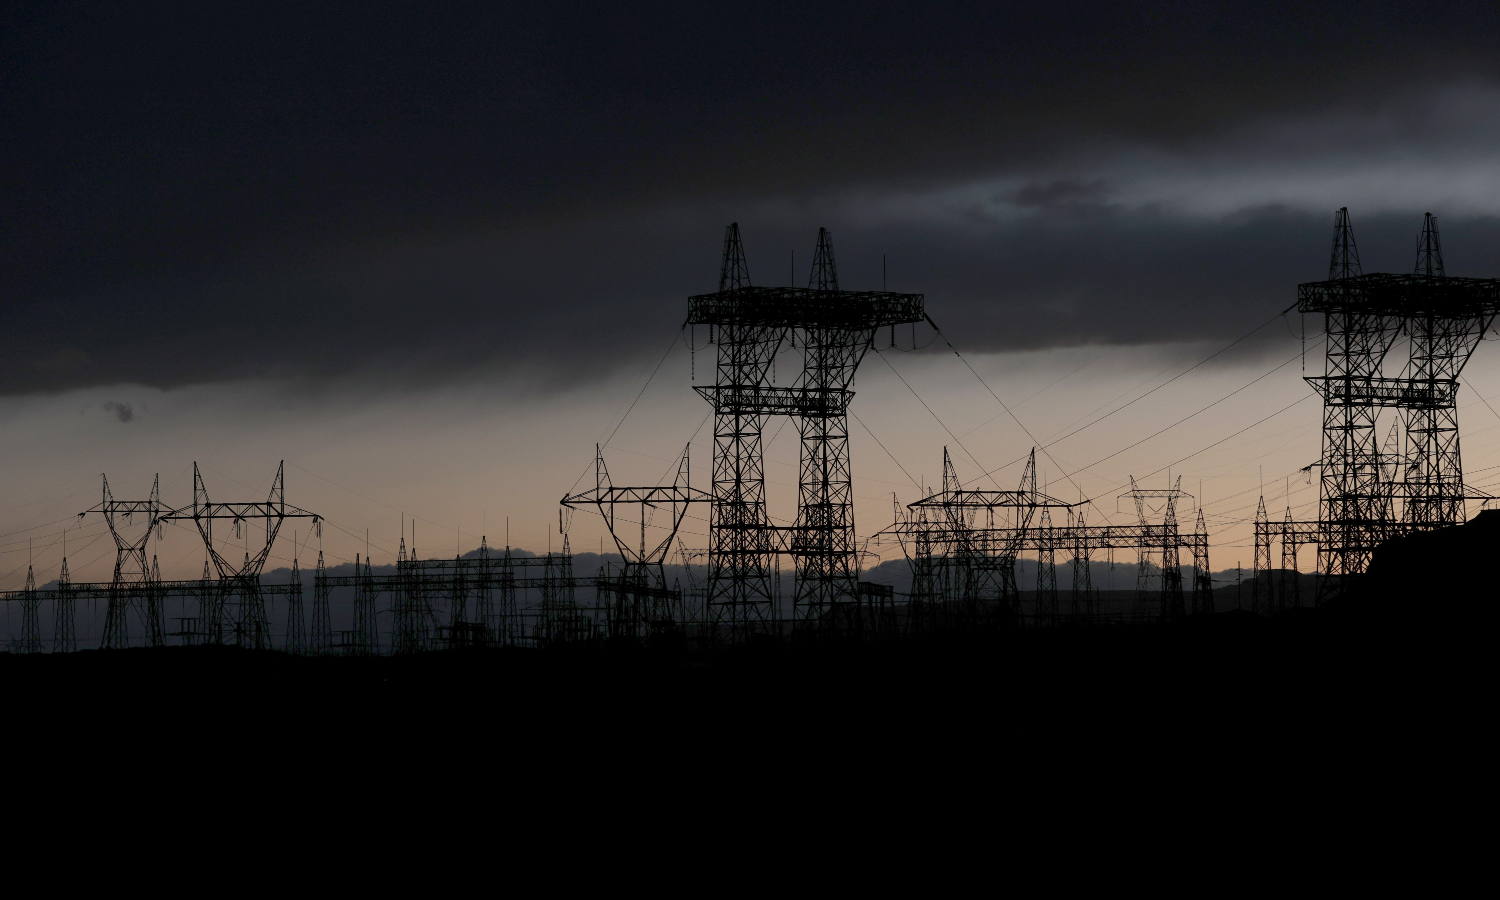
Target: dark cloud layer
column 194, row 193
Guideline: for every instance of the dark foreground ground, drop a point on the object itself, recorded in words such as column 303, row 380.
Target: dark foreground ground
column 1219, row 731
column 1408, row 651
column 1249, row 735
column 1226, row 671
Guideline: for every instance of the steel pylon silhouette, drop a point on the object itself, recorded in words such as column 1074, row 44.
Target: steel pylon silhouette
column 750, row 325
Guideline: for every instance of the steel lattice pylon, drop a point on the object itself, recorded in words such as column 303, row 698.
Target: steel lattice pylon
column 739, row 560
column 750, row 325
column 823, row 543
column 1440, row 346
column 237, row 594
column 637, row 602
column 1166, row 542
column 1444, row 318
column 1356, row 506
column 131, row 584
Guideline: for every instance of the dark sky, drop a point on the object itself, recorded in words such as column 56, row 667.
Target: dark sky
column 201, row 192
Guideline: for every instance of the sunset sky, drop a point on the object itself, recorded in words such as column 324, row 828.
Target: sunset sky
column 429, row 256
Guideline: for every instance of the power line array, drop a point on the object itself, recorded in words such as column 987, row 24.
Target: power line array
column 488, row 600
column 963, row 545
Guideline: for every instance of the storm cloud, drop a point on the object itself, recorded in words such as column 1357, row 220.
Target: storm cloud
column 414, row 194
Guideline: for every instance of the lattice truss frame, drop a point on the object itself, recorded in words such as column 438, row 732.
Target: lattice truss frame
column 750, row 326
column 1371, row 491
column 963, row 566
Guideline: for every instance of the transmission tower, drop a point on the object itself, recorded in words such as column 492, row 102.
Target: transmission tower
column 508, row 616
column 1344, row 262
column 296, row 625
column 461, row 629
column 1203, row 582
column 559, row 619
column 1429, row 249
column 1289, row 596
column 823, row 544
column 1444, row 317
column 739, row 562
column 1261, row 596
column 1163, row 542
column 364, row 639
column 484, row 596
column 638, row 602
column 1356, row 508
column 1046, row 572
column 412, row 616
column 64, row 630
column 31, row 619
column 320, row 636
column 238, row 592
column 1082, row 607
column 131, row 524
column 1171, row 569
column 750, row 325
column 1445, row 323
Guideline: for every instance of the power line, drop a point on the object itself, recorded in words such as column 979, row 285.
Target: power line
column 1195, row 413
column 887, row 452
column 935, row 417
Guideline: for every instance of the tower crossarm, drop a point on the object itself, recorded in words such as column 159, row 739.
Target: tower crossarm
column 274, row 510
column 1303, row 531
column 1386, row 294
column 241, row 511
column 126, row 507
column 1119, row 537
column 662, row 496
column 765, row 400
column 1466, row 492
column 1095, row 536
column 130, row 550
column 1365, row 390
column 990, row 500
column 793, row 307
column 675, row 498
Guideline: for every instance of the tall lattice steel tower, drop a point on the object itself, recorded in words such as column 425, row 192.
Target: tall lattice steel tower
column 1355, row 505
column 132, row 524
column 751, row 325
column 1444, row 318
column 237, row 593
column 1445, row 325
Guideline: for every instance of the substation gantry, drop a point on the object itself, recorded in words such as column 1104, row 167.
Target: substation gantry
column 1370, row 492
column 750, row 325
column 963, row 567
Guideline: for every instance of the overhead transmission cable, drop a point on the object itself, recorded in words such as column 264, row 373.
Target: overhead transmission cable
column 1015, row 418
column 1191, row 368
